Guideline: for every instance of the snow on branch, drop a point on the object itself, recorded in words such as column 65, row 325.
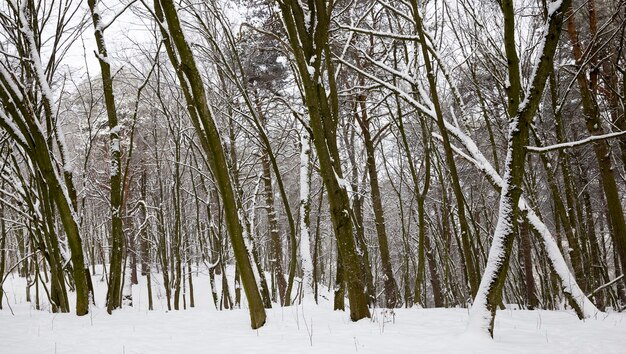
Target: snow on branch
column 9, row 81
column 568, row 282
column 411, row 100
column 12, row 129
column 604, row 286
column 542, row 149
column 403, row 37
column 404, row 75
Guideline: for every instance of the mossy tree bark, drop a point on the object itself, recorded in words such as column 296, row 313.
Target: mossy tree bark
column 310, row 45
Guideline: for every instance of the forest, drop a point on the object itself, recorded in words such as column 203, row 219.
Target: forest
column 370, row 159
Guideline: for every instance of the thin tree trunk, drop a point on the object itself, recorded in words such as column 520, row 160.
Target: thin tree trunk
column 308, row 265
column 114, row 290
column 470, row 265
column 390, row 286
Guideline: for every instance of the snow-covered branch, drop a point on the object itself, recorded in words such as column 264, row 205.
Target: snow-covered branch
column 571, row 144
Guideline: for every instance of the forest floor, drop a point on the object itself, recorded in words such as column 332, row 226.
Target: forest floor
column 306, row 328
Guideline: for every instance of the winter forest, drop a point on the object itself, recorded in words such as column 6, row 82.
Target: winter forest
column 315, row 176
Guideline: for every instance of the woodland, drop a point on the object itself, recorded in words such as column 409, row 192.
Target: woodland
column 354, row 154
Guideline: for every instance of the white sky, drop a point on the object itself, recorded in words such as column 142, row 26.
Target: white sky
column 119, row 38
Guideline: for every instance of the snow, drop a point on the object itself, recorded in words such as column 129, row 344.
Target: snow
column 12, row 85
column 310, row 70
column 14, row 129
column 103, row 58
column 306, row 328
column 115, row 168
column 343, row 184
column 554, row 7
column 115, row 145
column 567, row 281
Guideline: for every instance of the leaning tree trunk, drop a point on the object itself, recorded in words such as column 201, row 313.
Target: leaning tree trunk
column 17, row 105
column 471, row 267
column 489, row 295
column 193, row 88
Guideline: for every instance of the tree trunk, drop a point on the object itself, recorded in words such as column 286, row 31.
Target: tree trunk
column 114, row 290
column 526, row 255
column 205, row 126
column 308, row 267
column 323, row 113
column 470, row 263
column 390, row 286
column 489, row 295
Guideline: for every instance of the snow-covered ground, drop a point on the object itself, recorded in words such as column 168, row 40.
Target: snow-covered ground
column 304, row 328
